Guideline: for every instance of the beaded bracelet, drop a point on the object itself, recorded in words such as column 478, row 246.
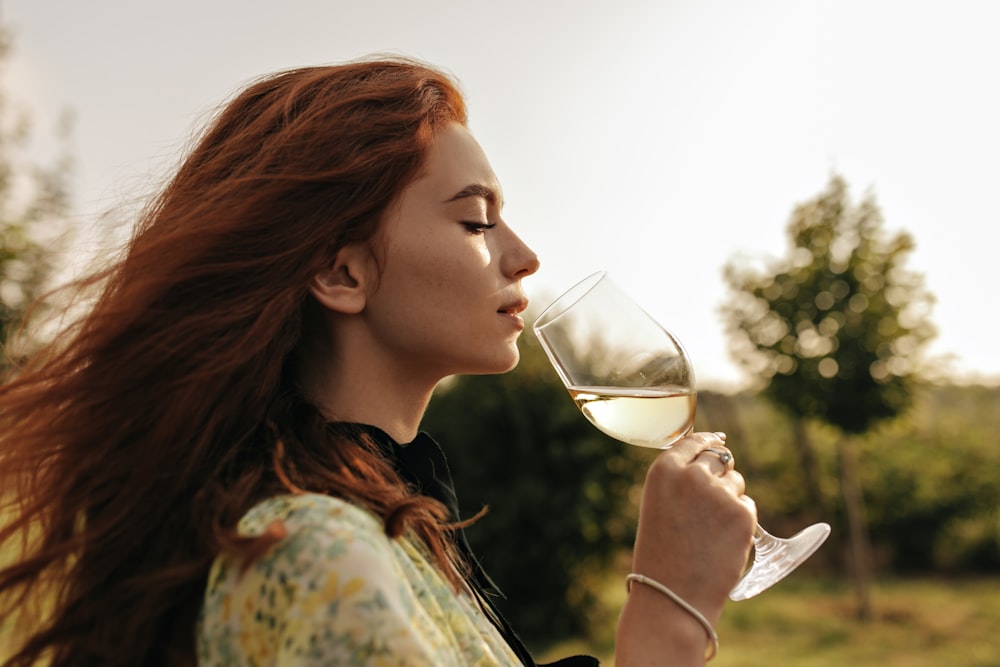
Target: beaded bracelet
column 713, row 646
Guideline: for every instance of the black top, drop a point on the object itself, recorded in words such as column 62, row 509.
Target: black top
column 422, row 463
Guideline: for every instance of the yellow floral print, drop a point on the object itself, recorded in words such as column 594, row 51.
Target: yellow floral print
column 336, row 591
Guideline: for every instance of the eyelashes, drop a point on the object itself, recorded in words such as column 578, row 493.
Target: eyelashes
column 478, row 227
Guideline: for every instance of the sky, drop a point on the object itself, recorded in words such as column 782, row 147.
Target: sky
column 655, row 139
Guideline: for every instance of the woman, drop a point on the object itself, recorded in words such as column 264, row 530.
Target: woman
column 208, row 462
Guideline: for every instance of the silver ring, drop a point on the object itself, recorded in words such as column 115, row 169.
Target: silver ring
column 724, row 455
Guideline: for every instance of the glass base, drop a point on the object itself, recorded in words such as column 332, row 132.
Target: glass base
column 774, row 558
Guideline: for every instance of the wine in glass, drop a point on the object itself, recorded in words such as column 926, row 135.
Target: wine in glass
column 633, row 380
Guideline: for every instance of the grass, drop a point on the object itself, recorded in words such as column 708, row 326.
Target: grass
column 810, row 623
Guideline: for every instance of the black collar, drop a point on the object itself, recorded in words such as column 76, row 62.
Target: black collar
column 421, row 463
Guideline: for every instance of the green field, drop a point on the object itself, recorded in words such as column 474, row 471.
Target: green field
column 805, row 623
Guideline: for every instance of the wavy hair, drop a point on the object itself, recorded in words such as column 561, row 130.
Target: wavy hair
column 131, row 446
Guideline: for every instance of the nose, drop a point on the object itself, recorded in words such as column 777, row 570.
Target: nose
column 518, row 260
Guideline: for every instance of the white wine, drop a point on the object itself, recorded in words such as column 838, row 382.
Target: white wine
column 638, row 416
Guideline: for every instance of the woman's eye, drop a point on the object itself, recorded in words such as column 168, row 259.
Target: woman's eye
column 478, row 227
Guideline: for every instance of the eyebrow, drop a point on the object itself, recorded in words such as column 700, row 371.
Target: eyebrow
column 476, row 190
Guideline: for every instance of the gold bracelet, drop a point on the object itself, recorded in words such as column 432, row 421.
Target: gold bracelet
column 713, row 646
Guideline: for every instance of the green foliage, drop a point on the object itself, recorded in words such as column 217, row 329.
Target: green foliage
column 934, row 501
column 559, row 491
column 930, row 478
column 33, row 202
column 836, row 328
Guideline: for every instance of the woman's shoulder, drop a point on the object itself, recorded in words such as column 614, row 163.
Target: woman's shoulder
column 308, row 511
column 317, row 530
column 331, row 580
column 329, row 549
column 332, row 587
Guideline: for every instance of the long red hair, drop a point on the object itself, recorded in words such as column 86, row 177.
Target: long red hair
column 132, row 445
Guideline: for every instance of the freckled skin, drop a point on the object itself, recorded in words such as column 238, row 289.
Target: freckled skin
column 446, row 277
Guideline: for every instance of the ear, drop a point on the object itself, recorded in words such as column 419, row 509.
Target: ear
column 343, row 286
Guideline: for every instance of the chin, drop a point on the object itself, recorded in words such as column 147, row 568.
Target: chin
column 498, row 366
column 512, row 361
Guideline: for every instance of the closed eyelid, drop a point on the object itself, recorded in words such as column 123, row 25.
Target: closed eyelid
column 473, row 225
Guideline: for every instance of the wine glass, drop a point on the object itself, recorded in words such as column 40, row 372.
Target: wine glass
column 633, row 380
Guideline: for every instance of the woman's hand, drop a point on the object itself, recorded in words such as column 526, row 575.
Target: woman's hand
column 695, row 532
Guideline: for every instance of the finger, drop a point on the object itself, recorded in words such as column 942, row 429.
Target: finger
column 690, row 445
column 735, row 482
column 719, row 460
column 709, row 439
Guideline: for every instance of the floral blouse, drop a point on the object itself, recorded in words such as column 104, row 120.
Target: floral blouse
column 337, row 591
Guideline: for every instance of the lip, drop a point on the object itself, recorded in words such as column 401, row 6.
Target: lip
column 513, row 310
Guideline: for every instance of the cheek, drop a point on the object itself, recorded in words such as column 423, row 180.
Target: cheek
column 438, row 276
column 485, row 253
column 455, row 268
column 420, row 293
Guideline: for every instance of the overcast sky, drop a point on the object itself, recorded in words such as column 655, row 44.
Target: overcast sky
column 657, row 139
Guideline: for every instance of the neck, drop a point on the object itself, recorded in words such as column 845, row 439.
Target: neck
column 354, row 383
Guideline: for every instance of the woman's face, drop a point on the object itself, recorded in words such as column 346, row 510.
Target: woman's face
column 449, row 297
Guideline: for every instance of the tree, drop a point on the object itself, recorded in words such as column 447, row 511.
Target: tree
column 558, row 492
column 33, row 202
column 835, row 332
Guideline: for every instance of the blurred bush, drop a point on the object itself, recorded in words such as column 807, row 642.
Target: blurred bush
column 931, row 478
